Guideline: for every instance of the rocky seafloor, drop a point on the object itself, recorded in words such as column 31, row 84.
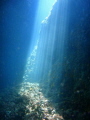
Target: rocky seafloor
column 26, row 102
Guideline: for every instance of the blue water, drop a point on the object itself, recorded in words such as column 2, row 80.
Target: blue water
column 48, row 45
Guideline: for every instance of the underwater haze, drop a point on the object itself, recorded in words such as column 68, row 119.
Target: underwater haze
column 16, row 25
column 45, row 60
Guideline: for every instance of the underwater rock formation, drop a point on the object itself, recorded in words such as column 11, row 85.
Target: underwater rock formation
column 65, row 65
column 61, row 63
column 26, row 102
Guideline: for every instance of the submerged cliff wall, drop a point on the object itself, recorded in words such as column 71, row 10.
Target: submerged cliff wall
column 63, row 49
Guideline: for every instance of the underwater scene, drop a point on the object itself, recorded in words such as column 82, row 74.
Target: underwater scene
column 44, row 59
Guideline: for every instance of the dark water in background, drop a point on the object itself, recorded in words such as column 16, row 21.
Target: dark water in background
column 62, row 59
column 16, row 27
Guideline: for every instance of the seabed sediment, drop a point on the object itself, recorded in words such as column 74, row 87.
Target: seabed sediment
column 26, row 102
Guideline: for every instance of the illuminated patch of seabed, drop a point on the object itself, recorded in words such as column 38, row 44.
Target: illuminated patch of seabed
column 38, row 104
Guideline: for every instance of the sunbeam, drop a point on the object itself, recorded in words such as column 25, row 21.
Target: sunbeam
column 45, row 60
column 42, row 15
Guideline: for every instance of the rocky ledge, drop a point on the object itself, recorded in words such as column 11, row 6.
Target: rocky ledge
column 26, row 102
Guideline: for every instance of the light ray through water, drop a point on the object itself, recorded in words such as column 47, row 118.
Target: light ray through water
column 48, row 43
column 44, row 9
column 51, row 41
